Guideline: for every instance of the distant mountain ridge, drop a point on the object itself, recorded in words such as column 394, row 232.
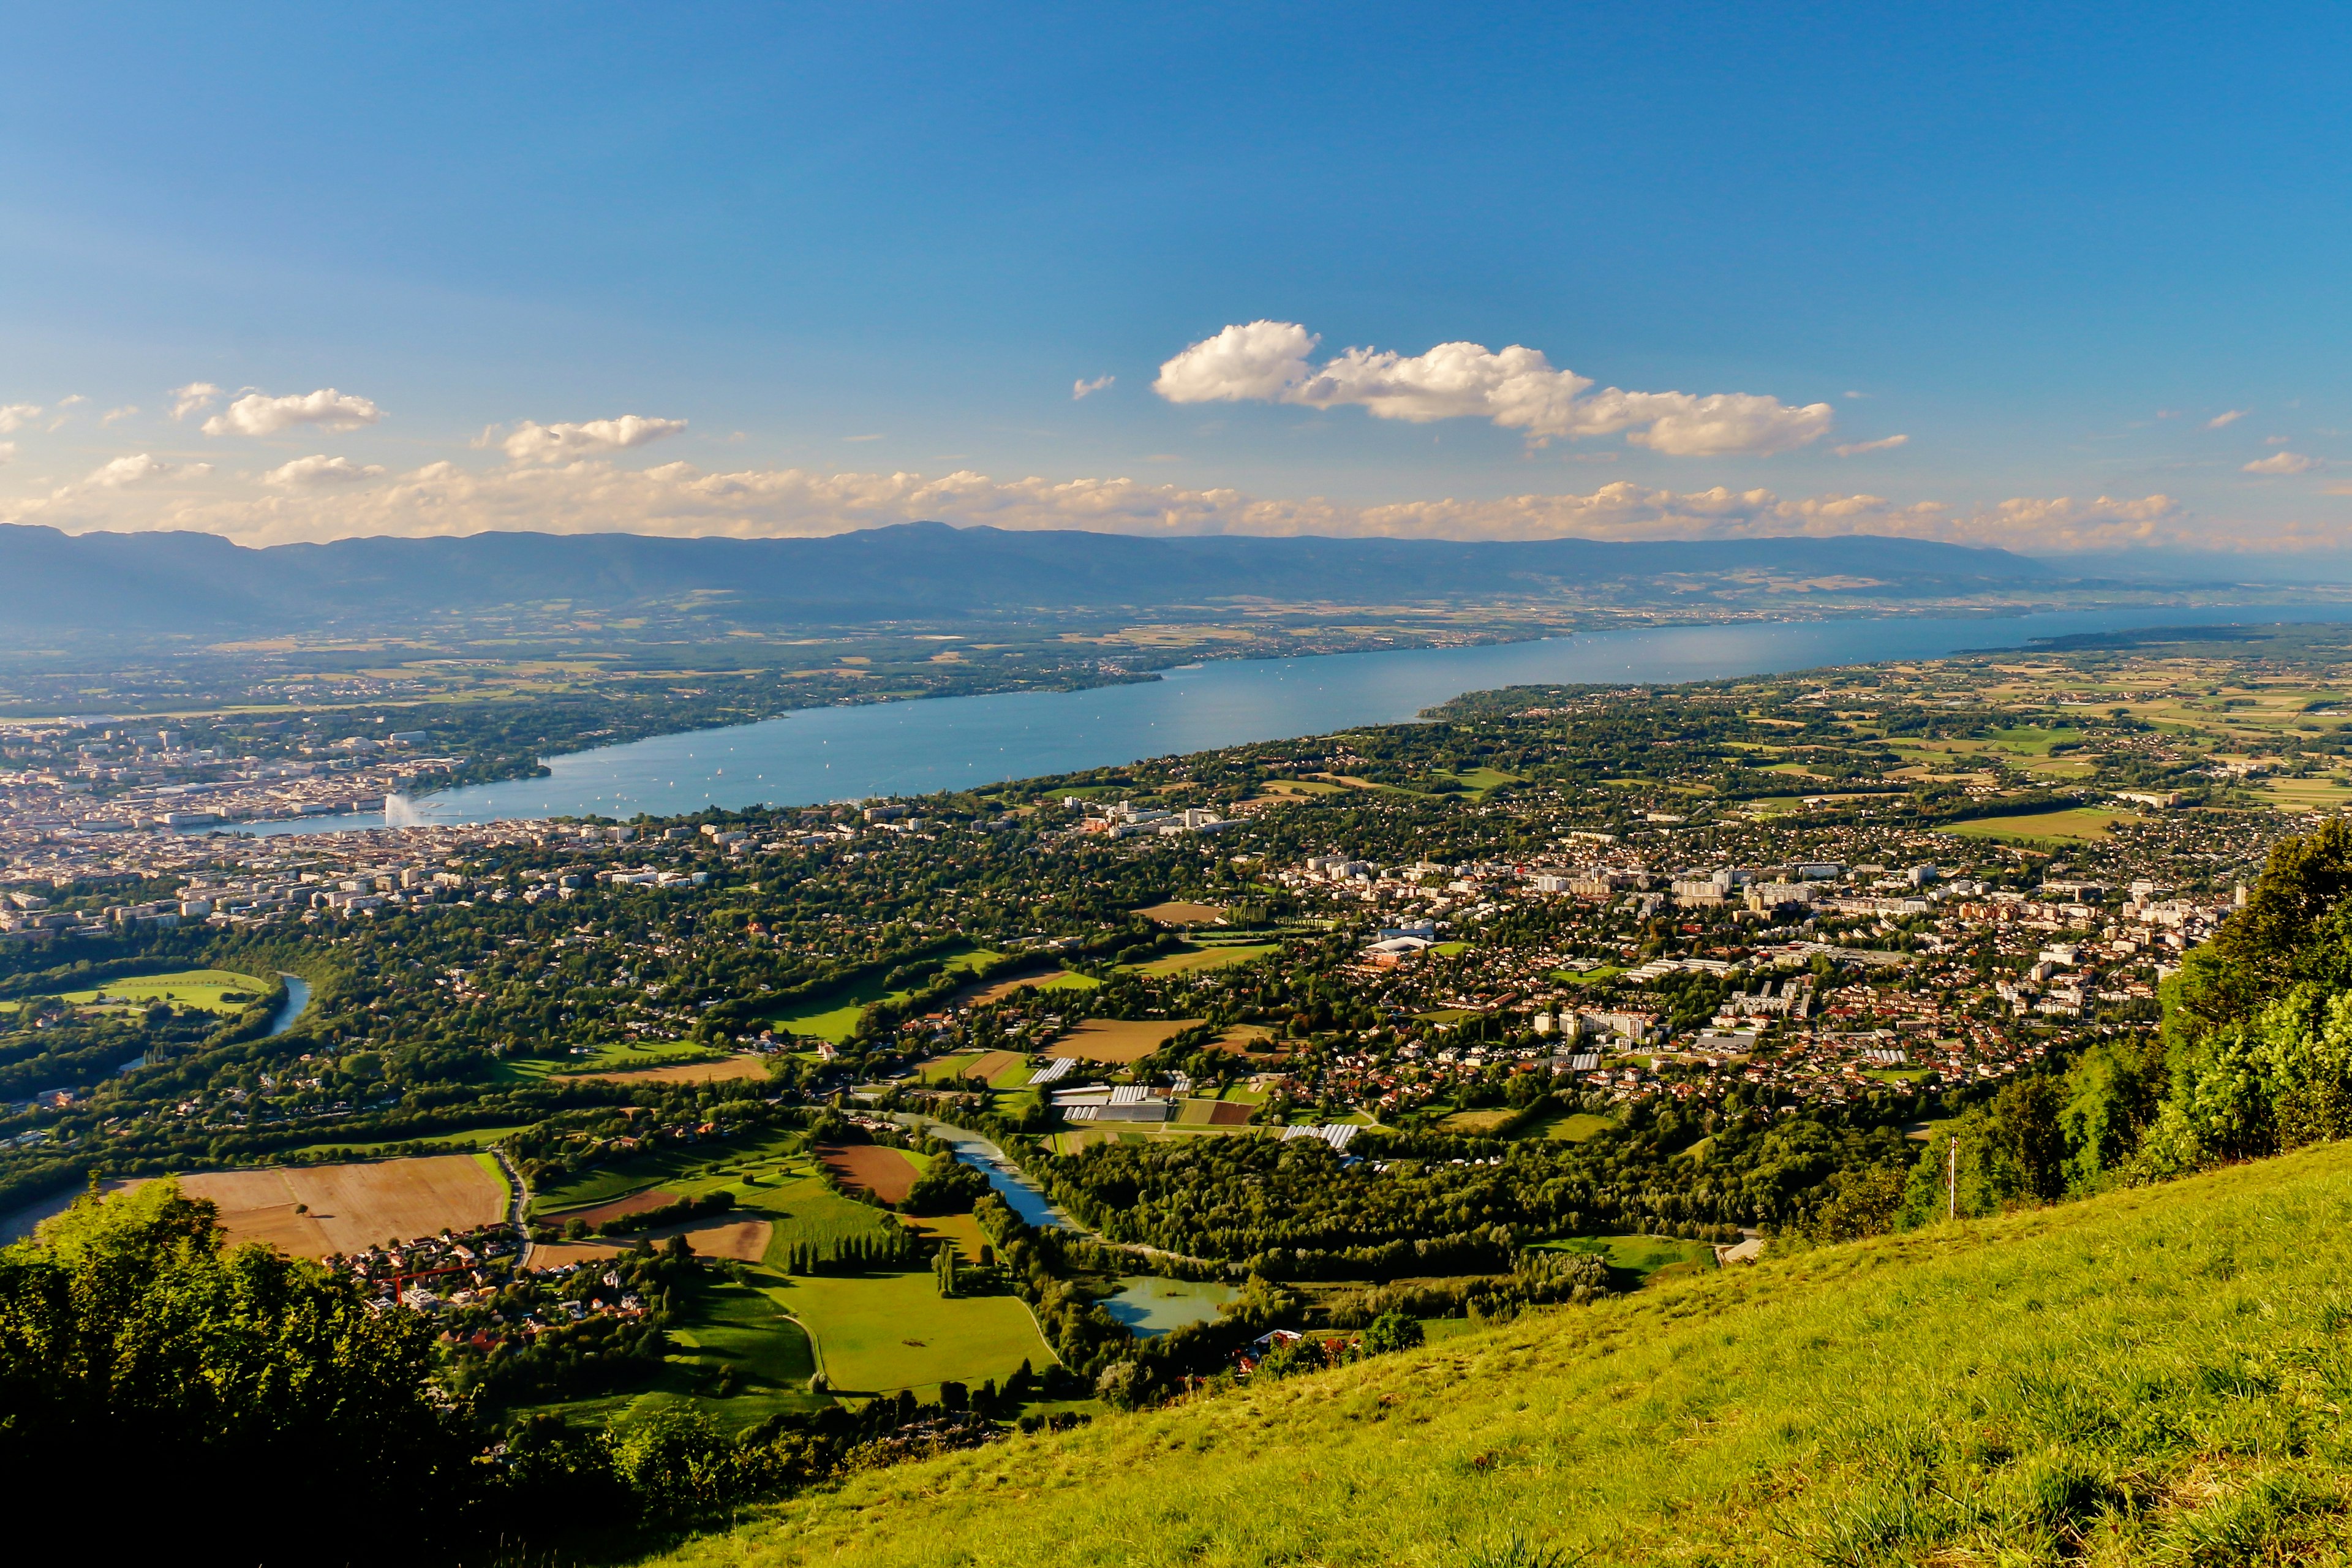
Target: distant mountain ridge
column 200, row 583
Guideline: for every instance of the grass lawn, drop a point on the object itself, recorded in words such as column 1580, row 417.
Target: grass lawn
column 1473, row 1123
column 613, row 1057
column 2032, row 740
column 876, row 1334
column 1645, row 1257
column 476, row 1138
column 688, row 1169
column 723, row 1325
column 202, row 988
column 803, row 1212
column 1572, row 1126
column 1203, row 958
column 2079, row 825
column 1591, row 976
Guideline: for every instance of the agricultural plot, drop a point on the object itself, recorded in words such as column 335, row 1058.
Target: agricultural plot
column 743, row 1241
column 888, row 1174
column 802, row 1211
column 1052, row 980
column 1198, row 959
column 1118, row 1041
column 723, row 1326
column 877, row 1334
column 1572, row 1127
column 1180, row 912
column 316, row 1211
column 727, row 1071
column 999, row 1069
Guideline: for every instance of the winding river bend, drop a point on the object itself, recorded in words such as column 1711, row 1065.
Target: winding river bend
column 908, row 748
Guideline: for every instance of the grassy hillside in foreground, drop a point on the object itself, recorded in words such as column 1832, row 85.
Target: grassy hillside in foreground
column 2154, row 1375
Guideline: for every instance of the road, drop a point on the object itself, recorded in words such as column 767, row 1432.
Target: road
column 520, row 1216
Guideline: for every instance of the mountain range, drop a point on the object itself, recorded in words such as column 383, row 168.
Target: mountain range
column 176, row 583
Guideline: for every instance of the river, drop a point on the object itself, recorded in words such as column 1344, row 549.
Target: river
column 909, row 748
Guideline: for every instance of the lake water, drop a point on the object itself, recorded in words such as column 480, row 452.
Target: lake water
column 909, row 748
column 1148, row 1305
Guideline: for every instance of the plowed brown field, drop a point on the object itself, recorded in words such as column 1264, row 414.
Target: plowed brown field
column 1118, row 1041
column 878, row 1169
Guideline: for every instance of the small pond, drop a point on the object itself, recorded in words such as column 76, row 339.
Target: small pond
column 1150, row 1305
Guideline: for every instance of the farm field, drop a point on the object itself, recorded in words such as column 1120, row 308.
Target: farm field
column 1180, row 912
column 2078, row 825
column 888, row 1174
column 1051, row 979
column 726, row 1071
column 717, row 1236
column 1204, row 958
column 207, row 989
column 1213, row 1113
column 1001, row 1069
column 876, row 1334
column 1118, row 1041
column 353, row 1206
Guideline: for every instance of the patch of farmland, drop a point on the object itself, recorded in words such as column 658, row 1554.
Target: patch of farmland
column 1181, row 912
column 888, row 1174
column 660, row 1168
column 726, row 1071
column 317, row 1211
column 619, row 1208
column 1118, row 1041
column 1052, row 980
column 806, row 1212
column 744, row 1240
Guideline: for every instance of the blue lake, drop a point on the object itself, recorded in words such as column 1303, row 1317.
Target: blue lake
column 909, row 748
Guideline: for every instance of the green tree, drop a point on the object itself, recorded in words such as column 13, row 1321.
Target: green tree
column 127, row 1329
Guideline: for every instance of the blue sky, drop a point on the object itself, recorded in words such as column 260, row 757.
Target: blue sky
column 2048, row 246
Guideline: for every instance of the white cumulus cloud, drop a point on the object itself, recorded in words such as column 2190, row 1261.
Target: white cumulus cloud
column 138, row 469
column 2220, row 421
column 1883, row 444
column 320, row 471
column 112, row 415
column 1514, row 387
column 193, row 398
column 7, row 453
column 255, row 414
column 1082, row 389
column 2281, row 463
column 533, row 443
column 16, row 415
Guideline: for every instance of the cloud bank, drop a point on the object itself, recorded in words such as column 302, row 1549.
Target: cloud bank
column 1516, row 388
column 322, row 497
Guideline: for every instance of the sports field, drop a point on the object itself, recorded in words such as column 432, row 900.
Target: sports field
column 1118, row 1041
column 876, row 1334
column 317, row 1211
